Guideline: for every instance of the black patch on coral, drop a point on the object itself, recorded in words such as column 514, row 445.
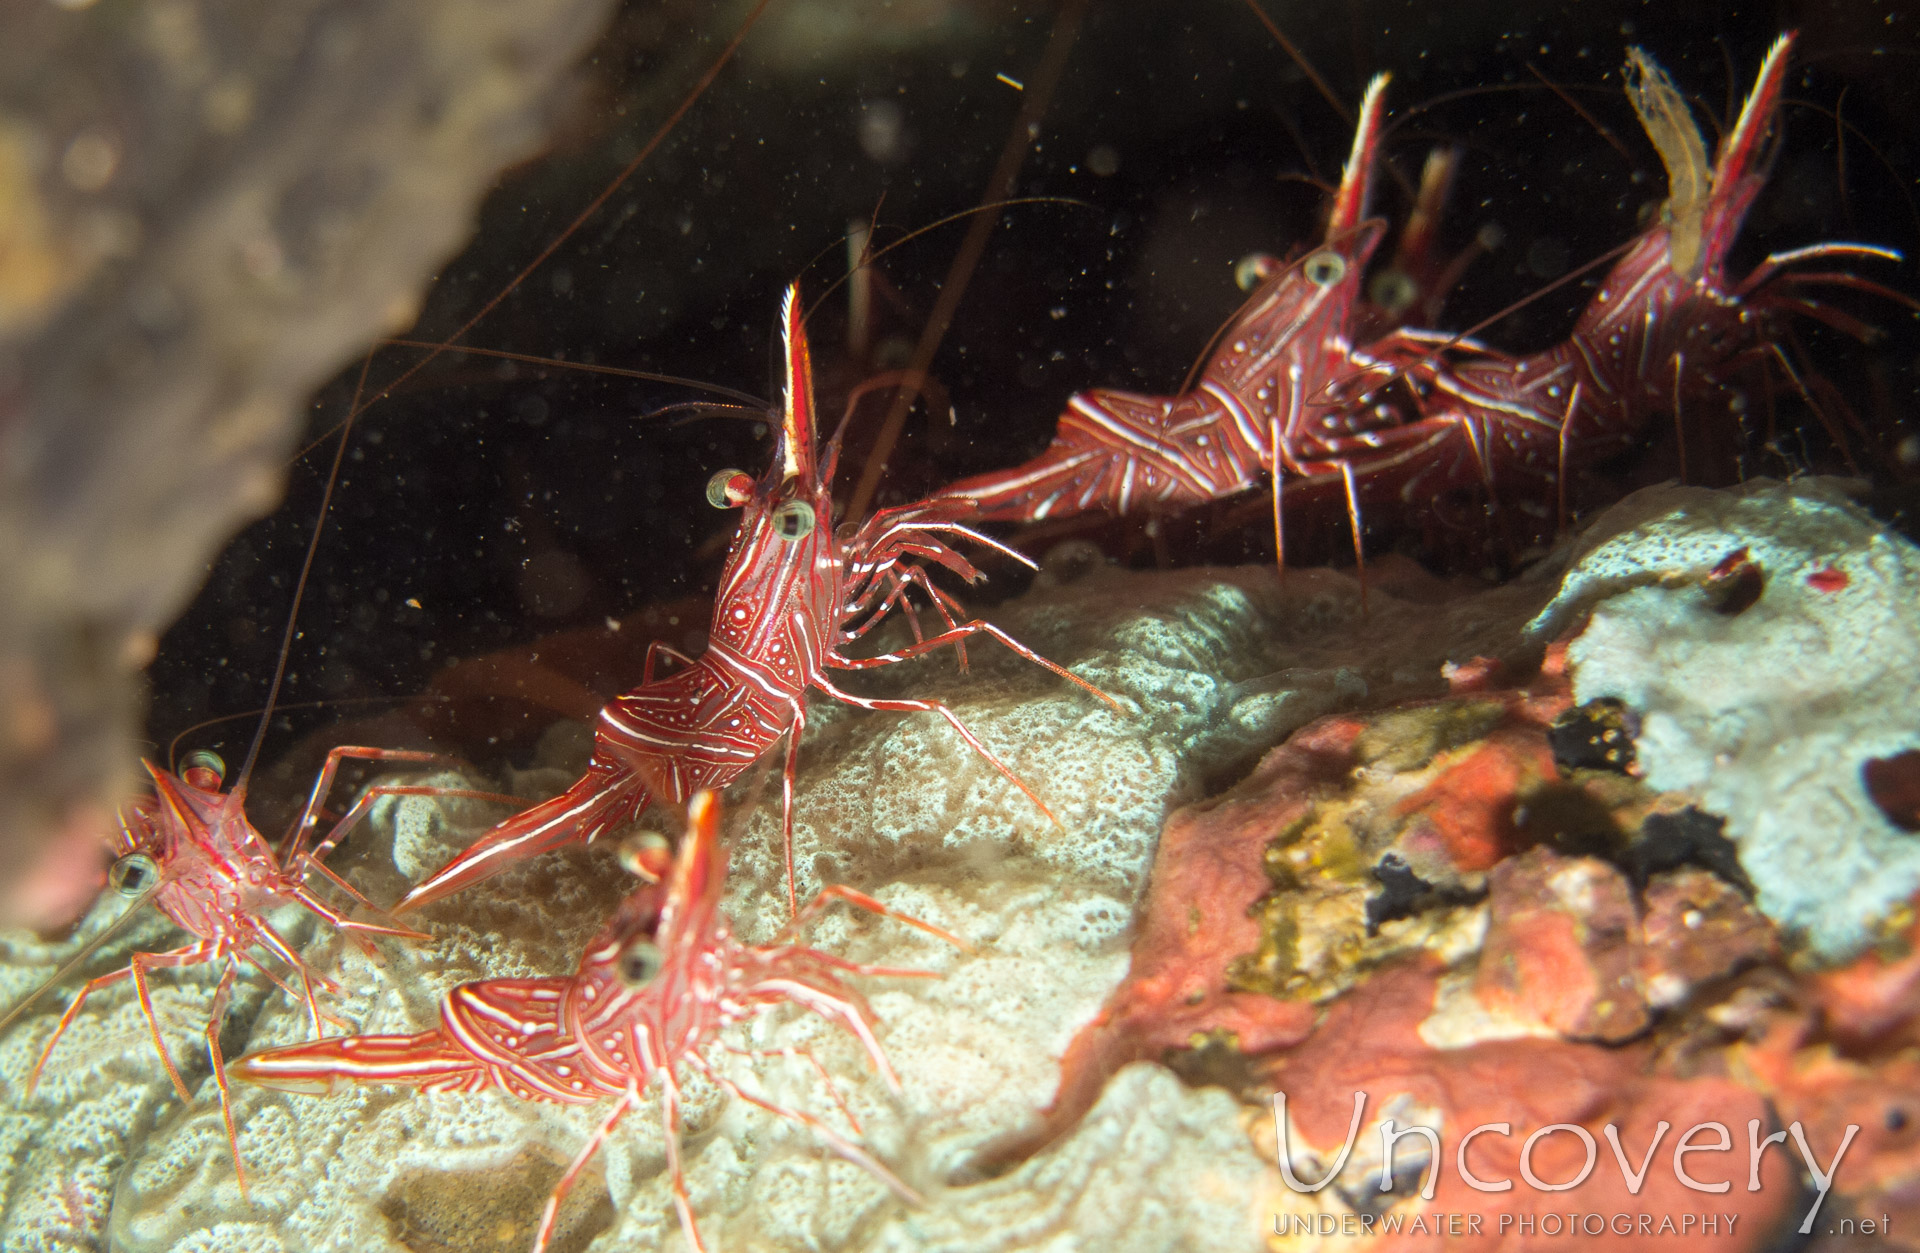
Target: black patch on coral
column 1893, row 784
column 1400, row 894
column 1215, row 1061
column 494, row 1210
column 1596, row 736
column 1403, row 893
column 1412, row 1159
column 1688, row 838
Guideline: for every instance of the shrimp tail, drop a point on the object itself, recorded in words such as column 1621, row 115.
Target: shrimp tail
column 432, row 1061
column 604, row 797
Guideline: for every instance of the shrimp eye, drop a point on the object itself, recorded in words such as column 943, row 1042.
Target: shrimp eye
column 638, row 963
column 202, row 762
column 646, row 855
column 1393, row 290
column 729, row 489
column 133, row 874
column 1324, row 268
column 1252, row 270
column 793, row 520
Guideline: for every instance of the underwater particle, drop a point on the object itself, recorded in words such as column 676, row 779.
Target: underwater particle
column 553, row 583
column 1103, row 160
column 90, row 160
column 1893, row 784
column 883, row 130
column 1254, row 269
column 1595, row 736
column 1393, row 290
column 1734, row 585
column 1547, row 257
column 228, row 106
column 1688, row 838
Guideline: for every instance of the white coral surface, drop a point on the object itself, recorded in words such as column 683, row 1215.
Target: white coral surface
column 1770, row 713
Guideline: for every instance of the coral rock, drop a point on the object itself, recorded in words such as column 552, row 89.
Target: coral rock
column 1695, row 927
column 1370, row 1043
column 1560, row 948
column 1770, row 705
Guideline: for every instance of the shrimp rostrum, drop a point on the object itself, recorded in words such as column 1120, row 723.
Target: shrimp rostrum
column 646, row 1007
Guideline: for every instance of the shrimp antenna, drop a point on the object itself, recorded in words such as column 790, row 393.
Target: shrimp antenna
column 709, row 408
column 306, row 568
column 875, row 254
column 1300, row 59
column 583, row 367
column 1406, row 115
column 1026, row 128
column 1610, row 254
column 1844, row 128
column 1599, row 127
column 86, row 951
column 173, row 745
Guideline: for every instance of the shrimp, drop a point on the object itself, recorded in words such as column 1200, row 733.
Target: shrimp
column 1664, row 333
column 190, row 849
column 651, row 996
column 793, row 593
column 1414, row 414
column 1256, row 410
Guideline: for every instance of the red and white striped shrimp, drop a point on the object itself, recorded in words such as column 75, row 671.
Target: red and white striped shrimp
column 1257, row 408
column 1666, row 333
column 793, row 593
column 652, row 993
column 190, row 850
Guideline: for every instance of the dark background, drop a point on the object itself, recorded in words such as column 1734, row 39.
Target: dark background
column 488, row 505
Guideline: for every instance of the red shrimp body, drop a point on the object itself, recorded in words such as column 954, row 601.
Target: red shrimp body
column 221, row 876
column 1257, row 410
column 190, row 850
column 794, row 591
column 1667, row 334
column 651, row 994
